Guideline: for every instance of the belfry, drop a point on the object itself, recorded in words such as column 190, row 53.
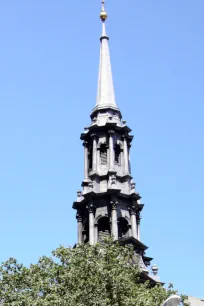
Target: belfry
column 109, row 204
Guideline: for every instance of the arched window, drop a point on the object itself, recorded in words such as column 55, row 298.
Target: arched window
column 117, row 154
column 103, row 154
column 103, row 228
column 123, row 228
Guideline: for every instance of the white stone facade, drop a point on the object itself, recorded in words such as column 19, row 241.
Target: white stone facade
column 193, row 301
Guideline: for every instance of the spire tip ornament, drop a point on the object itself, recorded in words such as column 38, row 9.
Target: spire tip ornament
column 103, row 14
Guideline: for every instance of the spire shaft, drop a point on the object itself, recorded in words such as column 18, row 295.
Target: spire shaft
column 106, row 94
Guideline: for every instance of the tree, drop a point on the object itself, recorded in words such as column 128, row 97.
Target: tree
column 102, row 275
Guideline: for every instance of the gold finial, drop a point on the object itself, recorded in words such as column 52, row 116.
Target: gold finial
column 103, row 14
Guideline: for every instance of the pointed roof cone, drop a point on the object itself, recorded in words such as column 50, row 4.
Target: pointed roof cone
column 106, row 95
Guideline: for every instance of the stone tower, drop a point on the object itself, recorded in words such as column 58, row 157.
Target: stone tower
column 109, row 204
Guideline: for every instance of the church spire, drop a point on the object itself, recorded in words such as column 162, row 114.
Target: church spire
column 109, row 204
column 106, row 94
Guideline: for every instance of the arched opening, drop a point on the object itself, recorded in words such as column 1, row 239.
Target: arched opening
column 103, row 154
column 117, row 154
column 123, row 228
column 103, row 228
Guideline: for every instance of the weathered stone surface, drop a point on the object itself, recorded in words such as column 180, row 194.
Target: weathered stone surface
column 174, row 300
column 193, row 301
column 109, row 204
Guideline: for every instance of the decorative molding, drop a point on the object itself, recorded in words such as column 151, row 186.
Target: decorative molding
column 79, row 216
column 85, row 144
column 113, row 180
column 114, row 205
column 133, row 185
column 132, row 210
column 142, row 265
column 91, row 208
column 111, row 132
column 94, row 135
column 138, row 217
column 90, row 184
column 79, row 195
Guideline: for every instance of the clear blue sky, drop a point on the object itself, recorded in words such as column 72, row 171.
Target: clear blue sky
column 48, row 76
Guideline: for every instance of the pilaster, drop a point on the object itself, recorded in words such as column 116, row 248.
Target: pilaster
column 129, row 163
column 114, row 219
column 132, row 211
column 96, row 233
column 126, row 157
column 86, row 163
column 91, row 223
column 94, row 156
column 111, row 150
column 80, row 226
column 138, row 225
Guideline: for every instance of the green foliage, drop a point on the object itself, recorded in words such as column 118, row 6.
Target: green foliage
column 101, row 275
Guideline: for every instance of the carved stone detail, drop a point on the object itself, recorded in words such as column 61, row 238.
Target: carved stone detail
column 133, row 185
column 114, row 205
column 113, row 180
column 91, row 185
column 138, row 217
column 91, row 208
column 132, row 210
column 79, row 216
column 85, row 144
column 79, row 195
column 111, row 132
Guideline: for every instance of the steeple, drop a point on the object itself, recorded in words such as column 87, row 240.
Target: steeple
column 105, row 95
column 109, row 204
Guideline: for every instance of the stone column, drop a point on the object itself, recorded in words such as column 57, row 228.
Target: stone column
column 98, row 159
column 80, row 227
column 138, row 225
column 111, row 150
column 114, row 220
column 94, row 165
column 133, row 221
column 129, row 163
column 91, row 224
column 86, row 162
column 96, row 233
column 129, row 230
column 126, row 157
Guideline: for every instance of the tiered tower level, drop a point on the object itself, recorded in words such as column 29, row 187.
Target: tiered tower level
column 109, row 204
